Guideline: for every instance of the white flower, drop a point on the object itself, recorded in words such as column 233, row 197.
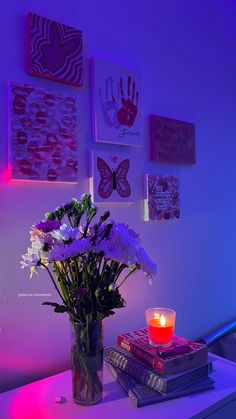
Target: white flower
column 146, row 264
column 65, row 233
column 34, row 256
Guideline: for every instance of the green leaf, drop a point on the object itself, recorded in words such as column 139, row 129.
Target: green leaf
column 58, row 308
column 49, row 303
column 50, row 216
column 104, row 217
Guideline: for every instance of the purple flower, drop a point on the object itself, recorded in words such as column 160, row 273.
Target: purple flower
column 120, row 245
column 46, row 226
column 63, row 251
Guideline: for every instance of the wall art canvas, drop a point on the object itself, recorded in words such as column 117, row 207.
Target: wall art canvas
column 42, row 134
column 161, row 198
column 171, row 140
column 116, row 104
column 54, row 50
column 111, row 177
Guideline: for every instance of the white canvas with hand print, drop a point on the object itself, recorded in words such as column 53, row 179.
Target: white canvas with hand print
column 116, row 104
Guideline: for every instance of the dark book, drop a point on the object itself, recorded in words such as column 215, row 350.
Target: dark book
column 183, row 354
column 164, row 384
column 141, row 395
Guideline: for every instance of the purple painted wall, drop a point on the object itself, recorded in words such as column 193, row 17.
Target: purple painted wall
column 186, row 53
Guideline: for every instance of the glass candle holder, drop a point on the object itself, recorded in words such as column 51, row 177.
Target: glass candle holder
column 160, row 325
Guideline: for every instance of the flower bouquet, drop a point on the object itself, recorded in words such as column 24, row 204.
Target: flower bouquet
column 87, row 264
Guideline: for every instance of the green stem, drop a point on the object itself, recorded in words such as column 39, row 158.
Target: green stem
column 65, row 273
column 99, row 265
column 66, row 290
column 54, row 283
column 77, row 270
column 127, row 276
column 62, row 285
column 71, row 274
column 104, row 266
column 119, row 271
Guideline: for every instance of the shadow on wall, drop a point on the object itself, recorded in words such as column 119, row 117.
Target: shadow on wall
column 16, row 377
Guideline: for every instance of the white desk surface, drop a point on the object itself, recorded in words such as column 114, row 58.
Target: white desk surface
column 36, row 400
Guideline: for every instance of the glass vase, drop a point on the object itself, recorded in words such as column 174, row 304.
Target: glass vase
column 87, row 362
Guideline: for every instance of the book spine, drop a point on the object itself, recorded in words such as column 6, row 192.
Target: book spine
column 144, row 397
column 124, row 384
column 136, row 369
column 155, row 363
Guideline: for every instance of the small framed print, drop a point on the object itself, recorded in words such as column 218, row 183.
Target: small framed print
column 54, row 50
column 116, row 104
column 171, row 140
column 42, row 134
column 111, row 177
column 161, row 200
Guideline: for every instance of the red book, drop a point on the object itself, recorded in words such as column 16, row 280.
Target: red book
column 182, row 355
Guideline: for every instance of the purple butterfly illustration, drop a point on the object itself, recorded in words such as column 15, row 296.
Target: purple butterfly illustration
column 113, row 179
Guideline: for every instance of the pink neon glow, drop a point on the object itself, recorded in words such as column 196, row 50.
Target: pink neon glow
column 31, row 401
column 16, row 364
column 6, row 174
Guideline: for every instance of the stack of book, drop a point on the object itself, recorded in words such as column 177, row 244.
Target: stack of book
column 151, row 375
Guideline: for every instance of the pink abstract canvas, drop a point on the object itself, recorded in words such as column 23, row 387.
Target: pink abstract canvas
column 162, row 198
column 111, row 177
column 54, row 50
column 42, row 134
column 116, row 104
column 171, row 140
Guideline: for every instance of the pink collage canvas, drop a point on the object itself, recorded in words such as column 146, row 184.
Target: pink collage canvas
column 162, row 198
column 42, row 134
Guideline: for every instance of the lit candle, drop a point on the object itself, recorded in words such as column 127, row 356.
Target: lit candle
column 160, row 324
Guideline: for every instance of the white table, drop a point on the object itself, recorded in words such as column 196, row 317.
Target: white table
column 36, row 400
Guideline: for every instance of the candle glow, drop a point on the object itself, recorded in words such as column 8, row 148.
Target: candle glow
column 163, row 320
column 160, row 326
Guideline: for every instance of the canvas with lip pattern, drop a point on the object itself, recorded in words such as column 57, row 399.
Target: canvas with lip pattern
column 42, row 134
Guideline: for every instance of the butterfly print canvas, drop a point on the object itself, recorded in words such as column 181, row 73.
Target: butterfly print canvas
column 54, row 50
column 111, row 178
column 161, row 198
column 42, row 134
column 117, row 103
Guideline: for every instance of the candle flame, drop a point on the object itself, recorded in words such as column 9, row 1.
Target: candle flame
column 162, row 320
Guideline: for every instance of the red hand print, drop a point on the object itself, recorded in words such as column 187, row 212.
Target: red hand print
column 127, row 113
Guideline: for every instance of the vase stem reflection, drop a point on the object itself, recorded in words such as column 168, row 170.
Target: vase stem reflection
column 87, row 362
